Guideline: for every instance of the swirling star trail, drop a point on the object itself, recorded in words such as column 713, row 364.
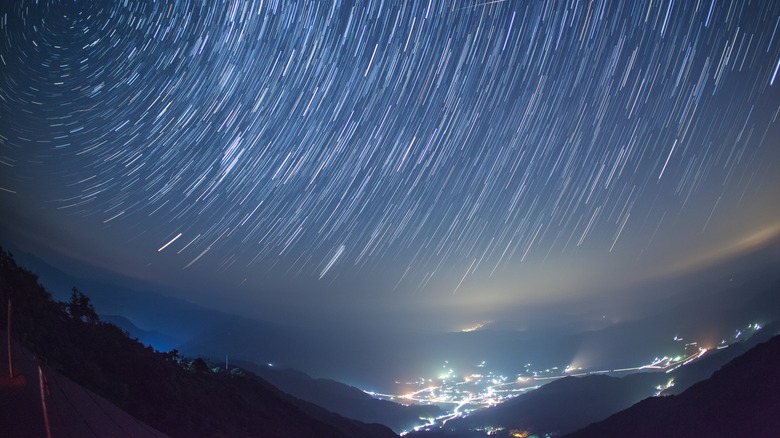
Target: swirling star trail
column 428, row 145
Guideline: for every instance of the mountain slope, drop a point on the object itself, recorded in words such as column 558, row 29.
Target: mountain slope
column 176, row 395
column 71, row 410
column 343, row 399
column 740, row 399
column 701, row 369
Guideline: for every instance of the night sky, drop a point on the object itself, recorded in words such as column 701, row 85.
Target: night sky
column 446, row 160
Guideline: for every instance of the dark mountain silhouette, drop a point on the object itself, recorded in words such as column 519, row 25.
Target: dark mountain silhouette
column 174, row 394
column 343, row 399
column 740, row 399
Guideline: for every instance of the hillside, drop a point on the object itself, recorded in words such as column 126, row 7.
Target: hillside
column 343, row 399
column 704, row 368
column 740, row 399
column 176, row 395
column 71, row 410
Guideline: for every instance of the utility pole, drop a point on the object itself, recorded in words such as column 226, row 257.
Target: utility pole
column 42, row 385
column 11, row 381
column 8, row 332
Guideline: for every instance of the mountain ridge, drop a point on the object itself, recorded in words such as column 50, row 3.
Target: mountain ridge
column 740, row 399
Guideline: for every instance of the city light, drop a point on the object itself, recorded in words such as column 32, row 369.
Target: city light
column 461, row 393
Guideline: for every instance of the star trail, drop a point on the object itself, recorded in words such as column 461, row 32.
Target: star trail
column 419, row 149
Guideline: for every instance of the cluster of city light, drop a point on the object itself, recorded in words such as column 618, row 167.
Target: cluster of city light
column 475, row 327
column 463, row 393
column 661, row 388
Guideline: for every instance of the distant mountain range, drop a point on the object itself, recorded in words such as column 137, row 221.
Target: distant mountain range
column 148, row 337
column 560, row 407
column 716, row 302
column 343, row 399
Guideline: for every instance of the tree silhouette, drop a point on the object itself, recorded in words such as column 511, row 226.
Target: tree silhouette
column 79, row 308
column 200, row 366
